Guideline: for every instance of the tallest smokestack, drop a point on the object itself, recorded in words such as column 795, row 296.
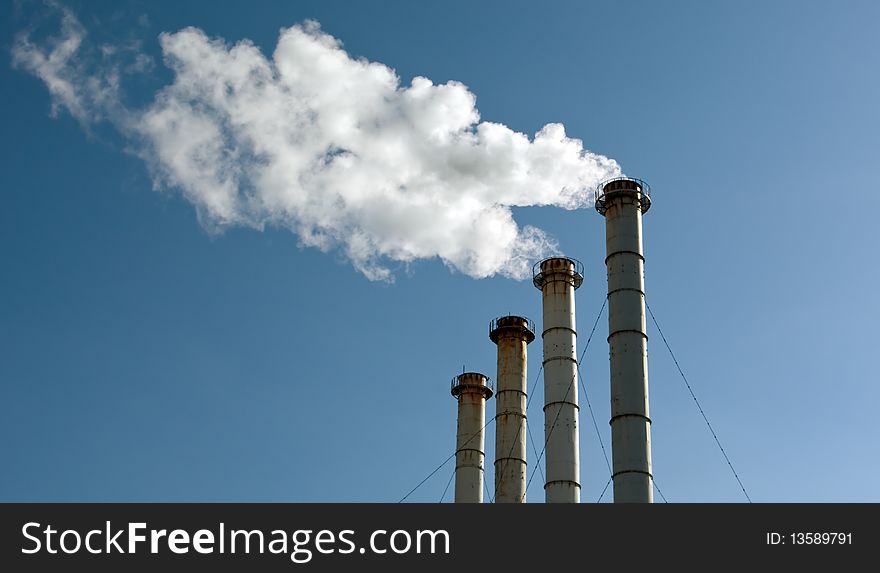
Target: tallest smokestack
column 558, row 278
column 623, row 201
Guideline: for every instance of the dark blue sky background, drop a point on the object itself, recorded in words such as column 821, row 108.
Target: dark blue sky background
column 143, row 358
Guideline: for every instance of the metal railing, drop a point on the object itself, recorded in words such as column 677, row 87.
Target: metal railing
column 600, row 195
column 456, row 382
column 577, row 274
column 522, row 321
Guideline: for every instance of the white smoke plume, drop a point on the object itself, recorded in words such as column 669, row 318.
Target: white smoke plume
column 330, row 146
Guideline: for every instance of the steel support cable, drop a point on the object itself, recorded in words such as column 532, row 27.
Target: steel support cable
column 519, row 429
column 570, row 386
column 604, row 489
column 447, row 485
column 446, row 461
column 654, row 482
column 595, row 425
column 534, row 449
column 529, row 401
column 697, row 402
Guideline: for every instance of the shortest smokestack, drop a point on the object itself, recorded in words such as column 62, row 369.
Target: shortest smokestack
column 471, row 389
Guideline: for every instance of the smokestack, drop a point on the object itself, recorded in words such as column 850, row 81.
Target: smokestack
column 623, row 201
column 558, row 278
column 471, row 389
column 512, row 334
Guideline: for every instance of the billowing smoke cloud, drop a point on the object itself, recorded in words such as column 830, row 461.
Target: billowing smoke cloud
column 330, row 146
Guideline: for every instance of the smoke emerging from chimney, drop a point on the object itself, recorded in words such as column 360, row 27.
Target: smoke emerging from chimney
column 330, row 146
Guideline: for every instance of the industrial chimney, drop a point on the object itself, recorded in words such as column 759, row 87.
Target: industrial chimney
column 557, row 278
column 512, row 334
column 471, row 389
column 623, row 201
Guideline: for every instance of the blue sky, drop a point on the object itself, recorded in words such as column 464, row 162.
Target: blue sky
column 147, row 357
